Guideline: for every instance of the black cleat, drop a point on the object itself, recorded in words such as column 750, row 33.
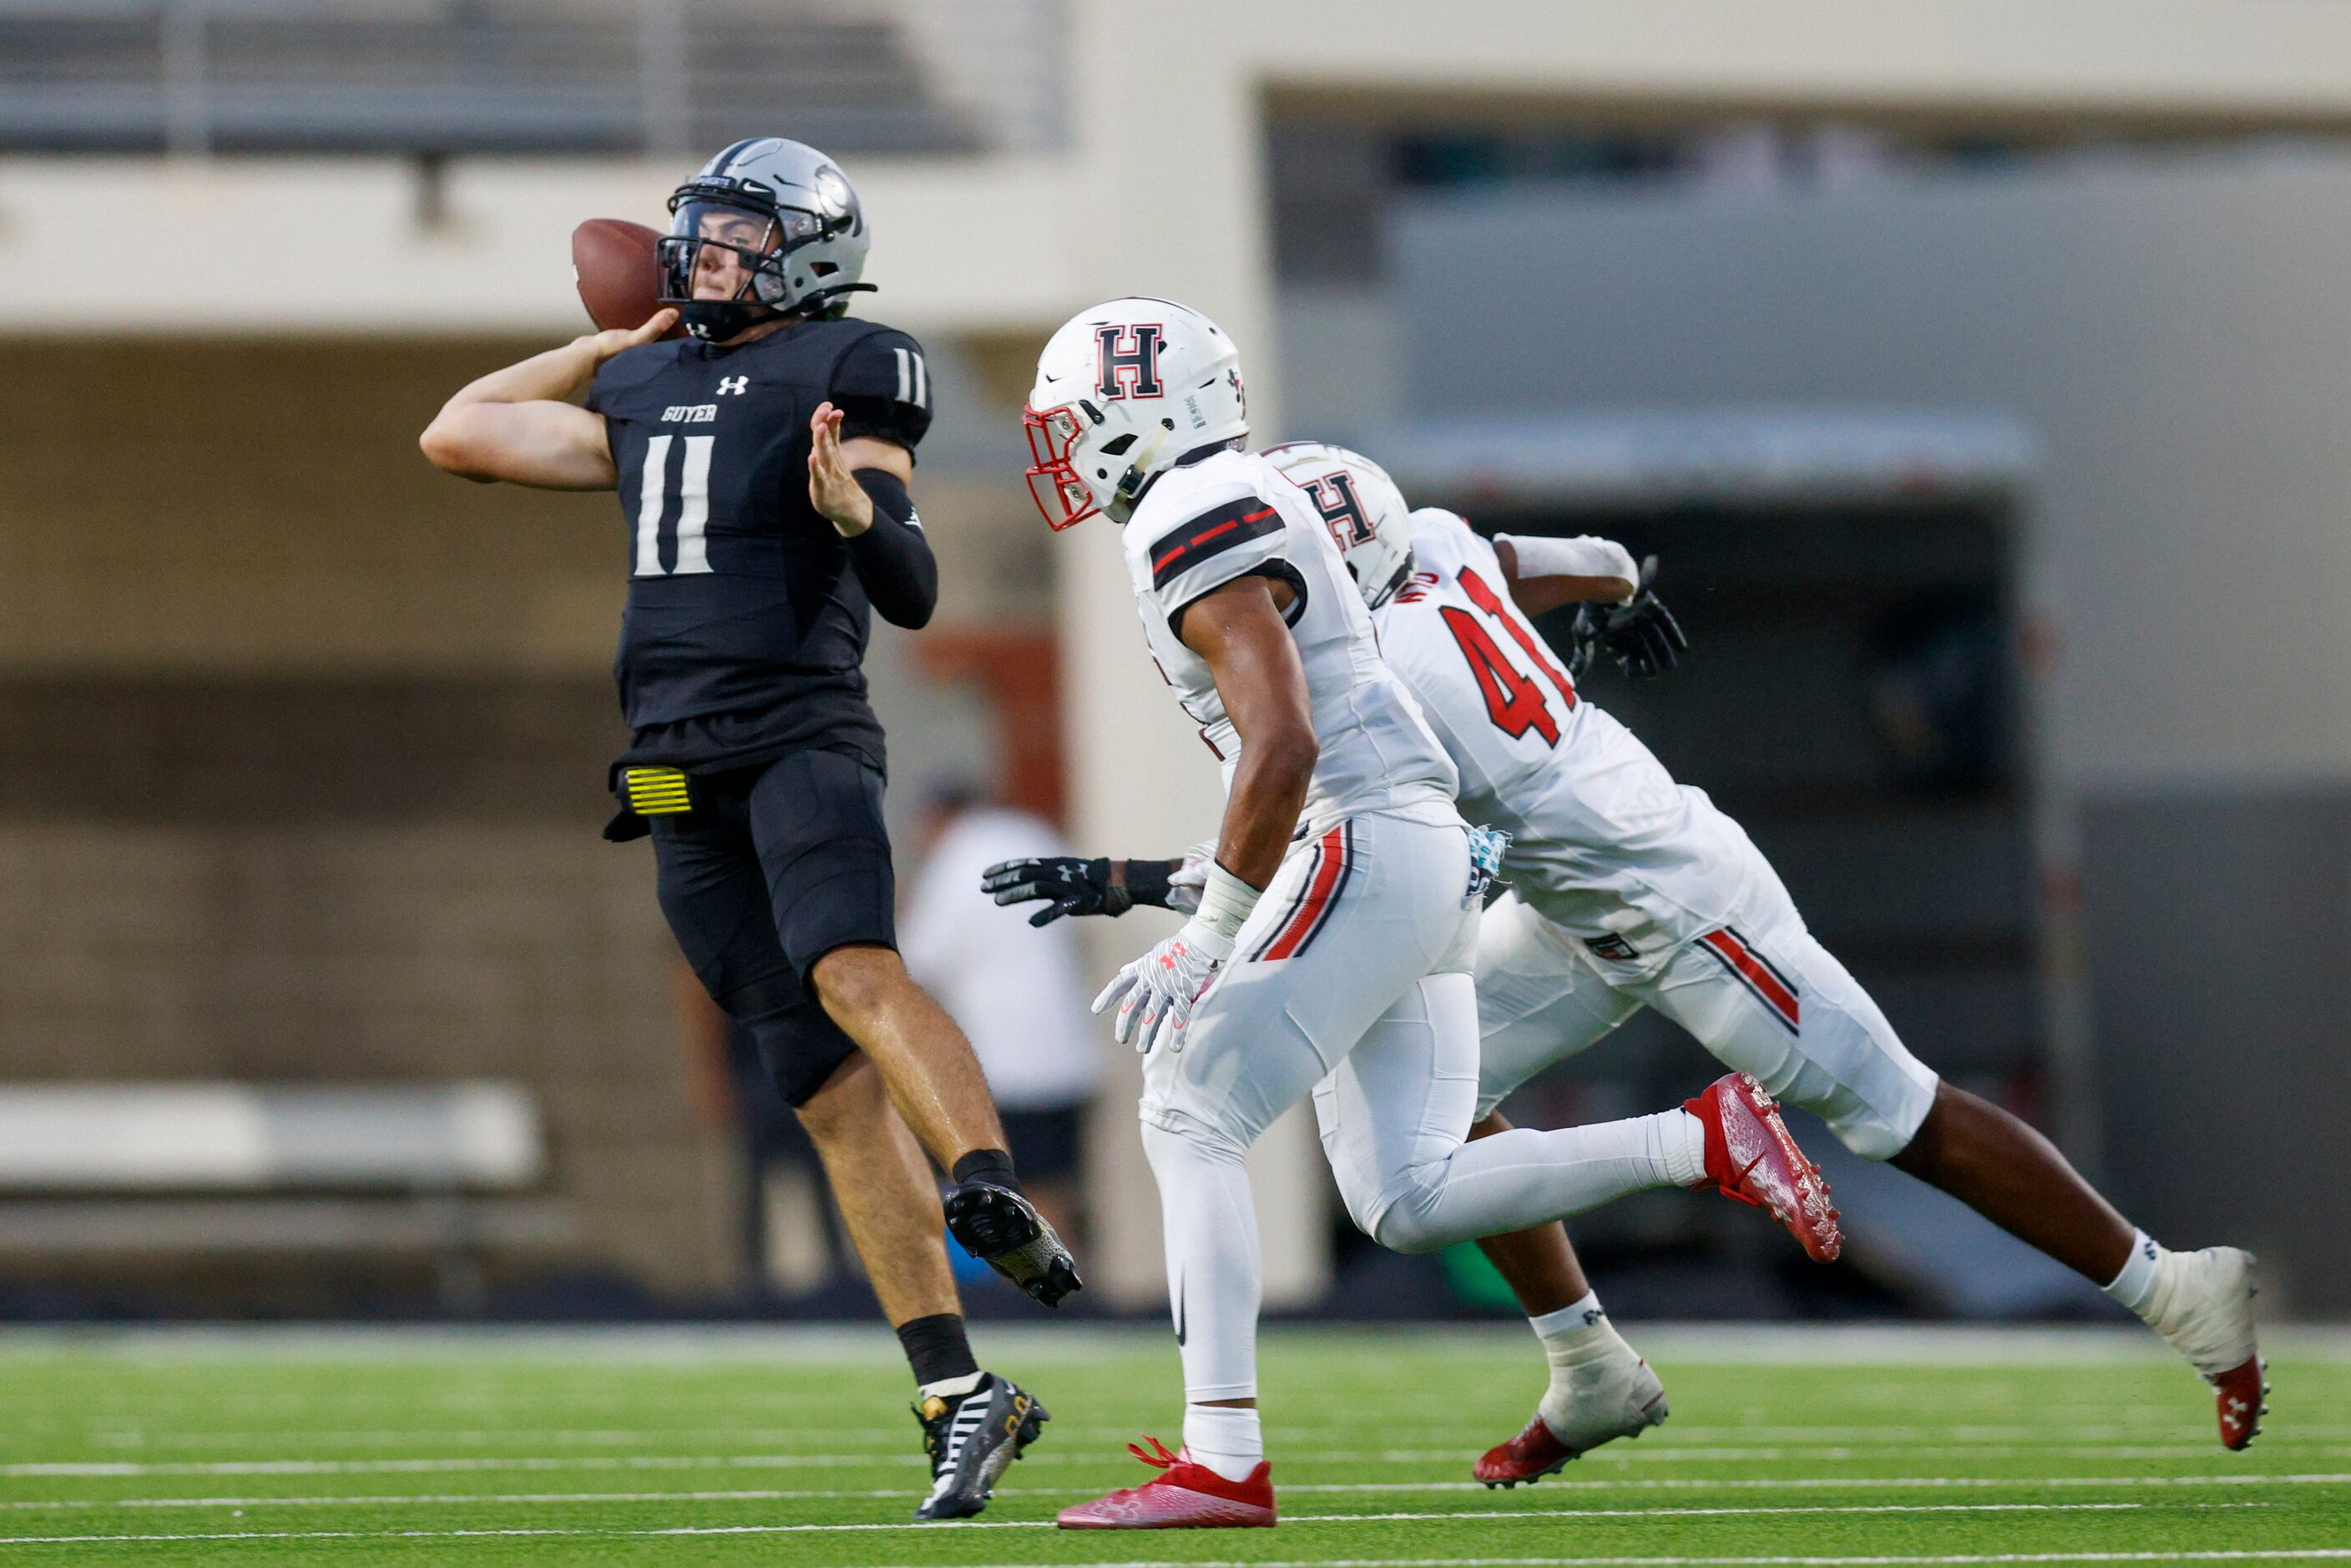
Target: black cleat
column 972, row 1439
column 1004, row 1230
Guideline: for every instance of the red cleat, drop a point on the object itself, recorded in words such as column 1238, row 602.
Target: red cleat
column 1533, row 1454
column 1182, row 1496
column 2241, row 1396
column 1751, row 1157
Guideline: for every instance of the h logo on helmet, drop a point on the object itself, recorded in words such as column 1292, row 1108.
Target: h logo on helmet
column 1334, row 496
column 1128, row 361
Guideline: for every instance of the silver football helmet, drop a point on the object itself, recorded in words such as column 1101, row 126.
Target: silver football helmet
column 768, row 228
column 1361, row 508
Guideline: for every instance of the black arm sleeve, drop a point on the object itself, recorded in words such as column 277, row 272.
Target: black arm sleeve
column 894, row 560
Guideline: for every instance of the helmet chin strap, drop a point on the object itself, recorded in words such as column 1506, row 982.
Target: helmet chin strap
column 1140, row 473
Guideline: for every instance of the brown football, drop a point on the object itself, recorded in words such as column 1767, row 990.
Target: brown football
column 613, row 261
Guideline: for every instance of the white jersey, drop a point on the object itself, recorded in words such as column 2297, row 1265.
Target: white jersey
column 1204, row 523
column 1602, row 841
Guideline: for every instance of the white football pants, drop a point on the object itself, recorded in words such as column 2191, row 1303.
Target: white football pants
column 1352, row 979
column 1771, row 1001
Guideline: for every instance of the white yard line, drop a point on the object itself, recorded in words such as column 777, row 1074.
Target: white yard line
column 2128, row 1427
column 1478, row 1517
column 832, row 1345
column 407, row 1500
column 1661, row 1454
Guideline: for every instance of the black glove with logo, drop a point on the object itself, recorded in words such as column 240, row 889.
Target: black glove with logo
column 1075, row 886
column 1641, row 635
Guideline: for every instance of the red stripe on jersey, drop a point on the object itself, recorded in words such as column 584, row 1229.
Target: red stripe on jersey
column 1760, row 976
column 1161, row 564
column 1330, row 865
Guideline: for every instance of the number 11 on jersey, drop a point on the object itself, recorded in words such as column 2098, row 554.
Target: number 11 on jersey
column 692, row 506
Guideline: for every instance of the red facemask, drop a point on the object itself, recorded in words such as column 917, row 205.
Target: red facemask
column 1053, row 484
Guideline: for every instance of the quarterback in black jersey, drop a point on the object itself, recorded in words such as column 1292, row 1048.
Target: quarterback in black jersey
column 763, row 466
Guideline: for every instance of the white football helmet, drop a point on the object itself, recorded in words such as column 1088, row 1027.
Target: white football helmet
column 1361, row 505
column 1123, row 391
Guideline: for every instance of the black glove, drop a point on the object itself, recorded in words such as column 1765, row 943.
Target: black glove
column 1642, row 635
column 1078, row 886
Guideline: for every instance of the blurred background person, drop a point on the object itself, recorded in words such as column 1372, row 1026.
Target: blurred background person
column 1019, row 993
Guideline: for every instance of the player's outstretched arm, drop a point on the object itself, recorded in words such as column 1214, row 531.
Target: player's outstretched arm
column 1238, row 630
column 859, row 487
column 514, row 424
column 1072, row 885
column 1545, row 573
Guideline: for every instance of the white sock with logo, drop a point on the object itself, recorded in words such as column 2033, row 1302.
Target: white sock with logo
column 2135, row 1286
column 1576, row 1323
column 1226, row 1438
column 1577, row 1335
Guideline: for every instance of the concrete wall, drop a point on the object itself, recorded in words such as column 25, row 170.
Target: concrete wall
column 2177, row 335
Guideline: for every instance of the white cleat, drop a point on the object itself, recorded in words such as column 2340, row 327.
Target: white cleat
column 2203, row 1308
column 1610, row 1396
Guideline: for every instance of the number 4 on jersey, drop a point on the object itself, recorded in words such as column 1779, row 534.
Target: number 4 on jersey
column 1513, row 701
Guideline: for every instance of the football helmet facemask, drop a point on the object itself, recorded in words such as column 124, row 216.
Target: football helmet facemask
column 774, row 222
column 1361, row 508
column 1122, row 392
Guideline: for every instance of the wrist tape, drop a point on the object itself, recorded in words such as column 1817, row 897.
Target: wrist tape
column 1224, row 903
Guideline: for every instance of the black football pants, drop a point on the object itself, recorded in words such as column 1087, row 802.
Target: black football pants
column 774, row 867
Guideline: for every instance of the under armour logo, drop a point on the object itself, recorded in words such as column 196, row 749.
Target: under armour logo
column 730, row 384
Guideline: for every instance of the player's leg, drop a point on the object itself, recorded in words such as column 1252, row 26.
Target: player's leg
column 714, row 894
column 1539, row 1264
column 888, row 1204
column 1776, row 1003
column 1395, row 1112
column 1244, row 1061
column 1598, row 1387
column 973, row 1423
column 1396, row 1118
column 1540, row 1002
column 816, row 818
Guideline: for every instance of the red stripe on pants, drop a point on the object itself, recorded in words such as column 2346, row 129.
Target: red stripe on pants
column 1765, row 982
column 1326, row 877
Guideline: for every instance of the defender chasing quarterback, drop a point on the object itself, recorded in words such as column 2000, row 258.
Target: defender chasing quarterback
column 1330, row 951
column 1630, row 891
column 763, row 466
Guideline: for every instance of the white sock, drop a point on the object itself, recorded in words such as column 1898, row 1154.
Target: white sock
column 2135, row 1286
column 1493, row 1186
column 1680, row 1146
column 1225, row 1438
column 1214, row 1278
column 951, row 1387
column 1578, row 1322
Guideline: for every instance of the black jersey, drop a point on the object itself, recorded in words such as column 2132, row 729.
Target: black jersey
column 746, row 625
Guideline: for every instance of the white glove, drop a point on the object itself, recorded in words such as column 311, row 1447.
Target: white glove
column 1157, row 993
column 1187, row 881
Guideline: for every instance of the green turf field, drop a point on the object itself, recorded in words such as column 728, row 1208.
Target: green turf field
column 781, row 1448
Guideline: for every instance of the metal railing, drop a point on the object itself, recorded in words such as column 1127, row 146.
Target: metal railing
column 591, row 77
